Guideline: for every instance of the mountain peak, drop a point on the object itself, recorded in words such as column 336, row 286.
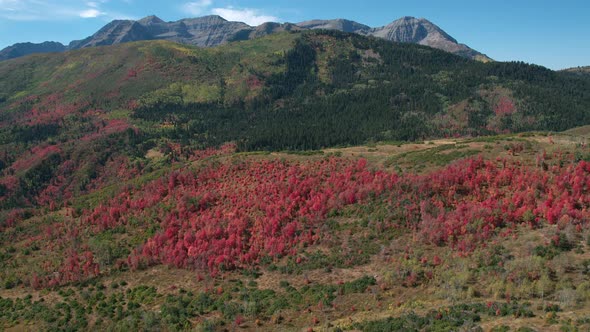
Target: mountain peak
column 149, row 20
column 413, row 19
column 215, row 17
column 335, row 24
column 118, row 31
column 409, row 29
column 209, row 19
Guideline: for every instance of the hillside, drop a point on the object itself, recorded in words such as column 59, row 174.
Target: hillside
column 289, row 91
column 213, row 30
column 578, row 70
column 301, row 90
column 362, row 244
column 303, row 180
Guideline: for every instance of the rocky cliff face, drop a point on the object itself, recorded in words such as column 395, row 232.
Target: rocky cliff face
column 116, row 32
column 272, row 27
column 411, row 30
column 424, row 32
column 404, row 30
column 209, row 31
column 338, row 24
column 205, row 31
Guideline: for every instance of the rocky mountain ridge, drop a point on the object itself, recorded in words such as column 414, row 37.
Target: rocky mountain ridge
column 213, row 30
column 404, row 30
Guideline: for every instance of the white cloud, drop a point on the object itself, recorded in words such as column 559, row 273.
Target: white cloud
column 247, row 15
column 91, row 13
column 11, row 5
column 53, row 10
column 197, row 7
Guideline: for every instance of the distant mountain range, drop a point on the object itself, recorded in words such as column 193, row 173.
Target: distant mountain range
column 210, row 31
column 22, row 49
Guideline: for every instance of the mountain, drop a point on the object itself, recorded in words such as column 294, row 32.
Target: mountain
column 404, row 30
column 291, row 90
column 207, row 31
column 116, row 32
column 22, row 49
column 211, row 31
column 291, row 182
column 337, row 24
column 424, row 32
column 272, row 27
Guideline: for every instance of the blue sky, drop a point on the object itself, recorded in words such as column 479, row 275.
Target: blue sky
column 555, row 34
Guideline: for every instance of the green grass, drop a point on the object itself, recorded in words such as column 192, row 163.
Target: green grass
column 583, row 131
column 438, row 156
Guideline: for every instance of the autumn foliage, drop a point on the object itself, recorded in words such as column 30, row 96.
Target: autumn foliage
column 230, row 215
column 466, row 203
column 227, row 212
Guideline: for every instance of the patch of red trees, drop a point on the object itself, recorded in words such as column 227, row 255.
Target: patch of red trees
column 466, row 203
column 231, row 215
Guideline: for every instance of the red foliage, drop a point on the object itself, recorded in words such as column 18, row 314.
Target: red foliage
column 10, row 183
column 505, row 106
column 468, row 202
column 253, row 82
column 59, row 188
column 34, row 156
column 134, row 72
column 231, row 215
column 436, row 261
column 131, row 73
column 239, row 320
column 132, row 104
column 75, row 268
column 51, row 109
column 225, row 149
column 12, row 218
column 107, row 127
